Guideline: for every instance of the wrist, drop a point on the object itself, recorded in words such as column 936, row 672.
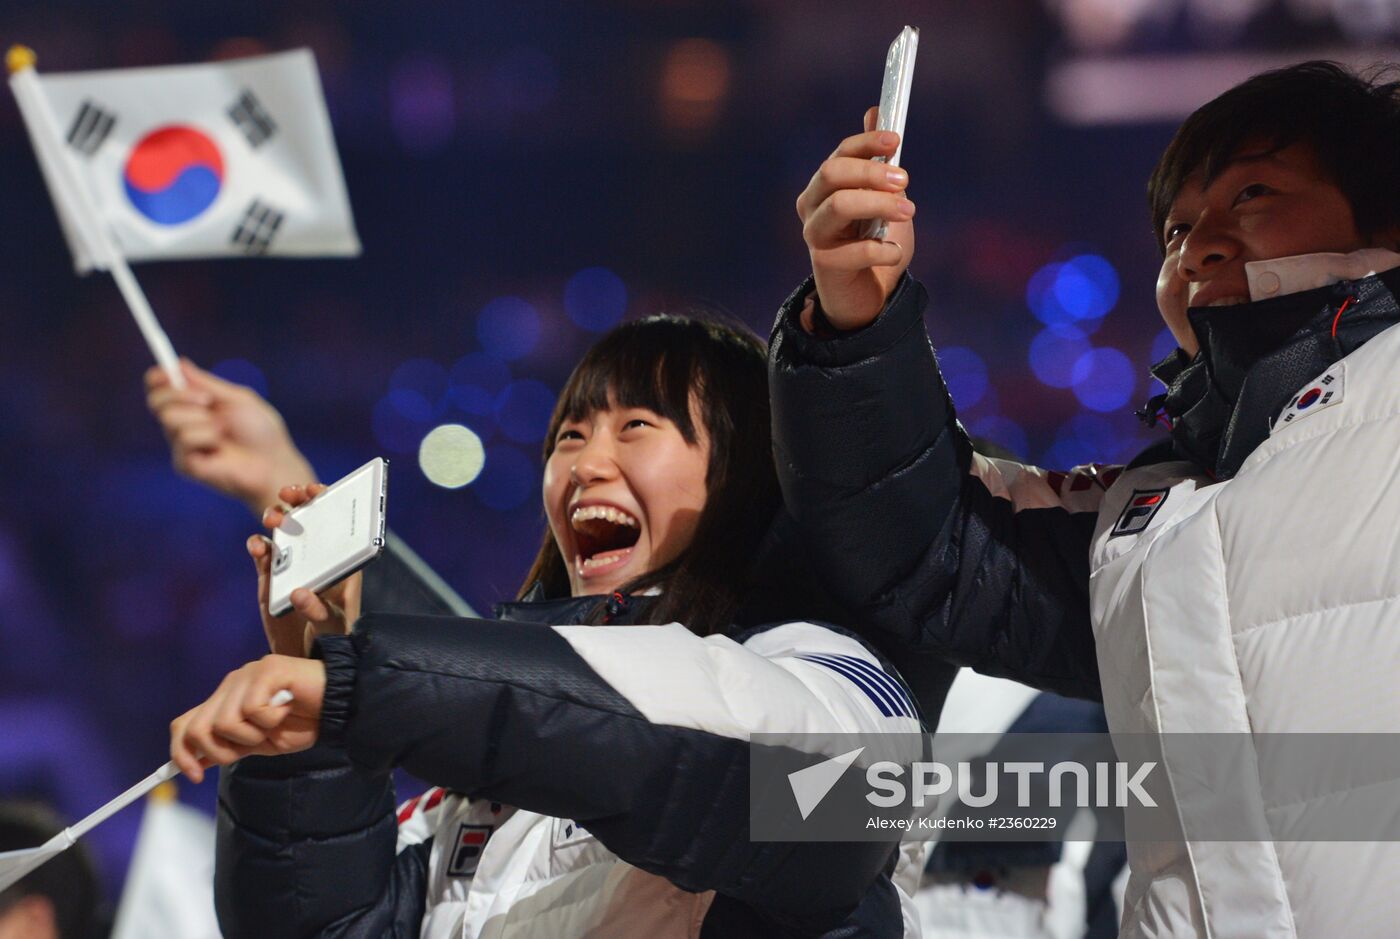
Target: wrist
column 290, row 469
column 815, row 321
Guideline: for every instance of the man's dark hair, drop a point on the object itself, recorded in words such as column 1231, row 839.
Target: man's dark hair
column 669, row 364
column 68, row 880
column 1351, row 122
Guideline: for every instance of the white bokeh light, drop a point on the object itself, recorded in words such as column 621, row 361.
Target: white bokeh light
column 451, row 456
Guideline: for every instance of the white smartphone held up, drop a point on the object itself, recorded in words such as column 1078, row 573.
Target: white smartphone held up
column 329, row 538
column 894, row 105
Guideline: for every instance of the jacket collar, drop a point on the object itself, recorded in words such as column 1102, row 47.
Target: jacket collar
column 536, row 607
column 1254, row 356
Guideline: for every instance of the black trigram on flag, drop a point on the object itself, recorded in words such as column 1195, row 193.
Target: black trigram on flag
column 250, row 116
column 90, row 128
column 257, row 228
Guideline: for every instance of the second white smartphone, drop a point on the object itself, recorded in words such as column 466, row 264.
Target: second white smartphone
column 894, row 105
column 326, row 540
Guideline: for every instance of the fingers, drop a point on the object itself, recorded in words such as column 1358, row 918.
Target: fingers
column 187, row 419
column 273, row 516
column 194, row 744
column 230, row 722
column 239, row 718
column 833, row 223
column 292, row 497
column 304, row 678
column 195, row 436
column 841, row 173
column 868, row 144
column 180, row 752
column 311, row 606
column 297, row 495
column 160, row 397
column 255, row 707
column 872, row 115
column 156, row 376
column 294, row 734
column 259, row 549
column 847, row 172
column 858, row 255
column 219, row 388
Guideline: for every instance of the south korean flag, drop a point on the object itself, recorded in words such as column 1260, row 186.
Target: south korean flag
column 191, row 161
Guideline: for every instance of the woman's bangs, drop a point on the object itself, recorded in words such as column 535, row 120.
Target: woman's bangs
column 639, row 368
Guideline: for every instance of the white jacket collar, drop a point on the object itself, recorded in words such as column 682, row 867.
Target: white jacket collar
column 1281, row 276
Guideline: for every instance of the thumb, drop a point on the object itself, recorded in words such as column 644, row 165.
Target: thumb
column 260, row 549
column 220, row 388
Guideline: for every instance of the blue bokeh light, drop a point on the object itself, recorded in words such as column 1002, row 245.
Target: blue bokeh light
column 1053, row 353
column 1002, row 431
column 1081, row 290
column 1163, row 345
column 1103, row 379
column 242, row 372
column 1087, row 437
column 523, row 410
column 508, row 328
column 508, row 479
column 595, row 298
column 394, row 430
column 965, row 373
column 475, row 381
column 1064, row 454
column 1101, row 435
column 1090, row 437
column 418, row 389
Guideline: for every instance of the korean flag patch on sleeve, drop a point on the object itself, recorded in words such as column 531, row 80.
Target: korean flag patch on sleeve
column 1322, row 392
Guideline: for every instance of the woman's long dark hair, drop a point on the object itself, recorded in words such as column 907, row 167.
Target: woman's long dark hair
column 663, row 363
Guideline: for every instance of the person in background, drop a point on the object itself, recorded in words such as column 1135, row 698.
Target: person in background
column 59, row 900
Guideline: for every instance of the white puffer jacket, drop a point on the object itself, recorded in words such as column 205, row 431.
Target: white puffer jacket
column 1268, row 603
column 1265, row 603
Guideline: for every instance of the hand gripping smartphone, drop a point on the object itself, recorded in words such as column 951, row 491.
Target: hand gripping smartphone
column 329, row 538
column 894, row 105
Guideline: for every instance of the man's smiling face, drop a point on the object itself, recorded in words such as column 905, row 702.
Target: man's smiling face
column 1261, row 206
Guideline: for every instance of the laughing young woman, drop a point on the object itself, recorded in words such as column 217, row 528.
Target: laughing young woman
column 593, row 775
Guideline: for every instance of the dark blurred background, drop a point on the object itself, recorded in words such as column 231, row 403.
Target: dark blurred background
column 524, row 176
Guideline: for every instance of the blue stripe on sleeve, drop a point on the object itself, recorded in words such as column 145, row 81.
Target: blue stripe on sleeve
column 877, row 675
column 888, row 705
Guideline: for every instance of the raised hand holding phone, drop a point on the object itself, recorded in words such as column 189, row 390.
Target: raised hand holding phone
column 854, row 274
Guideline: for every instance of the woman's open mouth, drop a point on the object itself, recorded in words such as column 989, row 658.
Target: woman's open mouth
column 605, row 537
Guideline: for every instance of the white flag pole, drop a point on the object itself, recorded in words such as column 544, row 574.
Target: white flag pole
column 14, row 865
column 75, row 203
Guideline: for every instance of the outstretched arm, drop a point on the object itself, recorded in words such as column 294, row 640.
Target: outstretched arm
column 641, row 734
column 982, row 562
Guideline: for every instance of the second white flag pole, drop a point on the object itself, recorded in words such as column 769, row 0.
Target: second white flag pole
column 77, row 208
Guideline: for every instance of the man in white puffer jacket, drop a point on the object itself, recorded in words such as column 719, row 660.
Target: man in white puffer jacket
column 1201, row 588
